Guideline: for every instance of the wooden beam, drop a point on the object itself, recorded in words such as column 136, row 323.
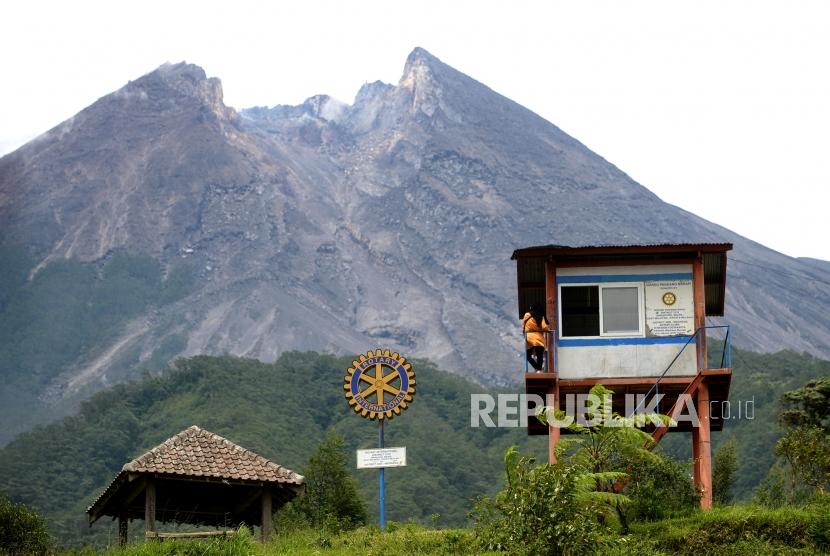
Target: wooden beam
column 150, row 507
column 267, row 515
column 674, row 412
column 193, row 535
column 98, row 509
column 632, row 381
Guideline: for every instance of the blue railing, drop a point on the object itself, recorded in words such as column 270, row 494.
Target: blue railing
column 550, row 350
column 725, row 360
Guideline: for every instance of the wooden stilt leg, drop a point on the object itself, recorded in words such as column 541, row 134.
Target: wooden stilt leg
column 704, row 447
column 696, row 457
column 553, row 432
column 267, row 515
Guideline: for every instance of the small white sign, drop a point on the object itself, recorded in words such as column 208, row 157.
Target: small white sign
column 381, row 457
column 669, row 308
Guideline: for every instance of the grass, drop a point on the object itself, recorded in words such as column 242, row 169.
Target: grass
column 406, row 539
column 735, row 530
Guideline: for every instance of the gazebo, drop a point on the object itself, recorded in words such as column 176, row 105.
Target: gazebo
column 199, row 478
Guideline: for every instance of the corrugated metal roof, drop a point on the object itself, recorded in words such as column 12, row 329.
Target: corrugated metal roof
column 644, row 247
column 531, row 261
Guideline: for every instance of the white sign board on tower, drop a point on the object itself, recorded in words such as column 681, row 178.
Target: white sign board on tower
column 669, row 308
column 381, row 457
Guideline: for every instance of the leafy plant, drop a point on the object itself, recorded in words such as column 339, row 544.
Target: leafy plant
column 807, row 450
column 22, row 531
column 332, row 500
column 804, row 450
column 543, row 509
column 606, row 446
column 660, row 488
column 723, row 472
column 809, row 406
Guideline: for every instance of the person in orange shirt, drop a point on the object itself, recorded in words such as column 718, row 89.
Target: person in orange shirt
column 535, row 328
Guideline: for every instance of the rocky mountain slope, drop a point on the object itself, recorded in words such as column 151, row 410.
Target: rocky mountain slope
column 337, row 227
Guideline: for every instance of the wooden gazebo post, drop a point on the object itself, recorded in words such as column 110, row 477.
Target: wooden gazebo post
column 267, row 515
column 150, row 509
column 122, row 528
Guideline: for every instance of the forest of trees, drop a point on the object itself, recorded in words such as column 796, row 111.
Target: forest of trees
column 57, row 470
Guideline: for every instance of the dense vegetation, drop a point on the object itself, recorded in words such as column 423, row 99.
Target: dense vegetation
column 332, row 499
column 282, row 411
column 52, row 321
column 758, row 382
column 22, row 531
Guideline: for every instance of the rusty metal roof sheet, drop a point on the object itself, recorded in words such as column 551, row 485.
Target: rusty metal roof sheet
column 553, row 249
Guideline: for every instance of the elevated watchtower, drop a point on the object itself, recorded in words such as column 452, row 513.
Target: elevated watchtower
column 632, row 318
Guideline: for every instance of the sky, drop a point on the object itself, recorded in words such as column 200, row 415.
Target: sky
column 719, row 107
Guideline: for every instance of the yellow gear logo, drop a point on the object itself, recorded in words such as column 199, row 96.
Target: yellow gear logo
column 379, row 384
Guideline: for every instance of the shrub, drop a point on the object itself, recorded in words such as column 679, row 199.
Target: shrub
column 540, row 511
column 734, row 529
column 723, row 472
column 22, row 531
column 332, row 500
column 660, row 488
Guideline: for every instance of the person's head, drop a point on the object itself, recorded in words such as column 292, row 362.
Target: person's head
column 537, row 311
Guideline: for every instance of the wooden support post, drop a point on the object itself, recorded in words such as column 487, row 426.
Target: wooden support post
column 696, row 457
column 267, row 515
column 123, row 524
column 699, row 291
column 553, row 432
column 702, row 450
column 551, row 314
column 150, row 507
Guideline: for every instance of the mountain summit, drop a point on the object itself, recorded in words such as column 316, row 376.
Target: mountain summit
column 331, row 227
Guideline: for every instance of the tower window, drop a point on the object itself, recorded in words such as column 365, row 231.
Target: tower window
column 601, row 310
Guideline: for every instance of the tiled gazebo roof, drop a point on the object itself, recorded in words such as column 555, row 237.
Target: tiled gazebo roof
column 200, row 453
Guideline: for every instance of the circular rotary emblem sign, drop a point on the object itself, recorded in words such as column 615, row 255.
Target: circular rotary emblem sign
column 669, row 298
column 379, row 384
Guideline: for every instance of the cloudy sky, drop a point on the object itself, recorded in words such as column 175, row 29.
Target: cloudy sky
column 721, row 108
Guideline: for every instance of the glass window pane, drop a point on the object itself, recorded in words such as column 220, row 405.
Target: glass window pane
column 580, row 311
column 620, row 310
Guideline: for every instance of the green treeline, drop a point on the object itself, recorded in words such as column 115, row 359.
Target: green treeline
column 281, row 411
column 285, row 409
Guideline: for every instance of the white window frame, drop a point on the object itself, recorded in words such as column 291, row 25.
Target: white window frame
column 601, row 285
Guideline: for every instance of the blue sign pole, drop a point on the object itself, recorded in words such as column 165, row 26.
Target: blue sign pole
column 382, row 485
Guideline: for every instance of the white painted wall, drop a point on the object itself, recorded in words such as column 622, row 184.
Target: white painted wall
column 628, row 269
column 622, row 361
column 625, row 361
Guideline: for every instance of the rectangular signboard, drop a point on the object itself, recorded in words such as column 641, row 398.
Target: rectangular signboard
column 669, row 308
column 381, row 457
